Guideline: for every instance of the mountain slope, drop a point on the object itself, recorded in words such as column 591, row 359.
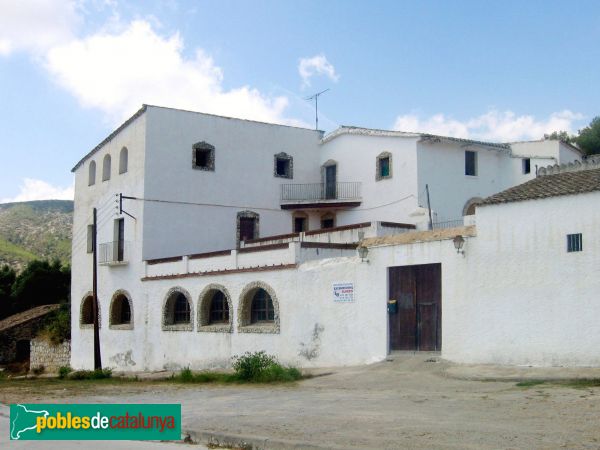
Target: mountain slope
column 37, row 229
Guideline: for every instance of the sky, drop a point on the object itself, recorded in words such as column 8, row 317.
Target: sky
column 72, row 70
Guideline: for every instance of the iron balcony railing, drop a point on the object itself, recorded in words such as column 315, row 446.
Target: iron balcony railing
column 448, row 224
column 320, row 191
column 116, row 252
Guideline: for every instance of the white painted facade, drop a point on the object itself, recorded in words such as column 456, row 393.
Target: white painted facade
column 197, row 210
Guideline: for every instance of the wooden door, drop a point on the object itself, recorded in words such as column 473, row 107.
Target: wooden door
column 247, row 228
column 417, row 323
column 330, row 182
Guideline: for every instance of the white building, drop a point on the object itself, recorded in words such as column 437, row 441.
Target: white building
column 233, row 233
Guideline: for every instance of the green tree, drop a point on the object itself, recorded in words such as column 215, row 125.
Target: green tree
column 562, row 136
column 41, row 283
column 589, row 137
column 7, row 279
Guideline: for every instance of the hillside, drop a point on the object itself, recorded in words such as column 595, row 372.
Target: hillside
column 36, row 229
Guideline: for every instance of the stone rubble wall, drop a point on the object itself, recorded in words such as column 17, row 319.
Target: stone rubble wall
column 48, row 355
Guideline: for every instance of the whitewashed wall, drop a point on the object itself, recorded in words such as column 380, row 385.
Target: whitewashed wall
column 102, row 196
column 243, row 177
column 311, row 323
column 392, row 199
column 516, row 297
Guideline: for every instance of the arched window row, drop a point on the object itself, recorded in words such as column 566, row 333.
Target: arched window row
column 106, row 166
column 257, row 310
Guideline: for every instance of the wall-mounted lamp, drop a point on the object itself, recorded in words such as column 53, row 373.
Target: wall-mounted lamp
column 363, row 252
column 459, row 242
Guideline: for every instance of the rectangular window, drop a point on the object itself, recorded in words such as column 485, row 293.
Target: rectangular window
column 526, row 166
column 384, row 167
column 574, row 242
column 283, row 167
column 202, row 158
column 90, row 238
column 470, row 163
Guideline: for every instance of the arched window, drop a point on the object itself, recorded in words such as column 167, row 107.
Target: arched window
column 328, row 220
column 106, row 168
column 92, row 173
column 214, row 309
column 123, row 160
column 219, row 310
column 259, row 309
column 121, row 316
column 177, row 311
column 262, row 307
column 86, row 312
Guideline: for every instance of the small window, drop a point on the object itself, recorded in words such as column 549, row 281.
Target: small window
column 262, row 307
column 526, row 166
column 219, row 309
column 203, row 156
column 123, row 160
column 120, row 310
column 328, row 221
column 470, row 163
column 383, row 166
column 87, row 311
column 177, row 311
column 284, row 165
column 92, row 173
column 106, row 168
column 181, row 313
column 574, row 242
column 90, row 238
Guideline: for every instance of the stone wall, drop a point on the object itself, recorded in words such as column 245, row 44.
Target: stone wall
column 50, row 356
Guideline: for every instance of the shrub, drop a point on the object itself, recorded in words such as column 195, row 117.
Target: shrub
column 262, row 368
column 186, row 375
column 97, row 374
column 58, row 325
column 64, row 371
column 249, row 366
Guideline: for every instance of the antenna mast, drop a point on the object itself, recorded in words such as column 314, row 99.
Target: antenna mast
column 316, row 98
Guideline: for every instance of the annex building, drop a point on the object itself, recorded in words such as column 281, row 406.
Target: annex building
column 218, row 236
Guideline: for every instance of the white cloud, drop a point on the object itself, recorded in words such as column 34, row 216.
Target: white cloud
column 40, row 190
column 118, row 71
column 317, row 65
column 494, row 125
column 36, row 25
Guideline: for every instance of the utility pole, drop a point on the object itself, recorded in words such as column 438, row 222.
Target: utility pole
column 97, row 357
column 316, row 98
column 429, row 207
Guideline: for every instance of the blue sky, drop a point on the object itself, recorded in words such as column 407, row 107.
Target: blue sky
column 72, row 70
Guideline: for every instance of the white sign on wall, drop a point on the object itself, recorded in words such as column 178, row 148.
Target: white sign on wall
column 343, row 292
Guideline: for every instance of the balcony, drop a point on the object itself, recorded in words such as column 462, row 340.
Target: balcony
column 114, row 253
column 319, row 195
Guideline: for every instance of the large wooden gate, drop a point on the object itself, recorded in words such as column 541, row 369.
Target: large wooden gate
column 418, row 321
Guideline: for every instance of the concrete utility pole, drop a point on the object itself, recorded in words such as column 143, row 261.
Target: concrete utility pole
column 97, row 357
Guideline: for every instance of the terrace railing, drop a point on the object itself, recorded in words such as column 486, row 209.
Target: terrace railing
column 320, row 191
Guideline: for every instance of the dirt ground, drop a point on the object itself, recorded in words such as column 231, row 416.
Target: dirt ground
column 410, row 402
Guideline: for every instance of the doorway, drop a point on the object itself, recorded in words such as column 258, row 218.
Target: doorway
column 416, row 324
column 331, row 181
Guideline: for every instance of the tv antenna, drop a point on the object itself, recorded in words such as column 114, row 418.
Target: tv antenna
column 316, row 98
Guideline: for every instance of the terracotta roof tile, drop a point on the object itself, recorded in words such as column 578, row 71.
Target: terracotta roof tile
column 565, row 183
